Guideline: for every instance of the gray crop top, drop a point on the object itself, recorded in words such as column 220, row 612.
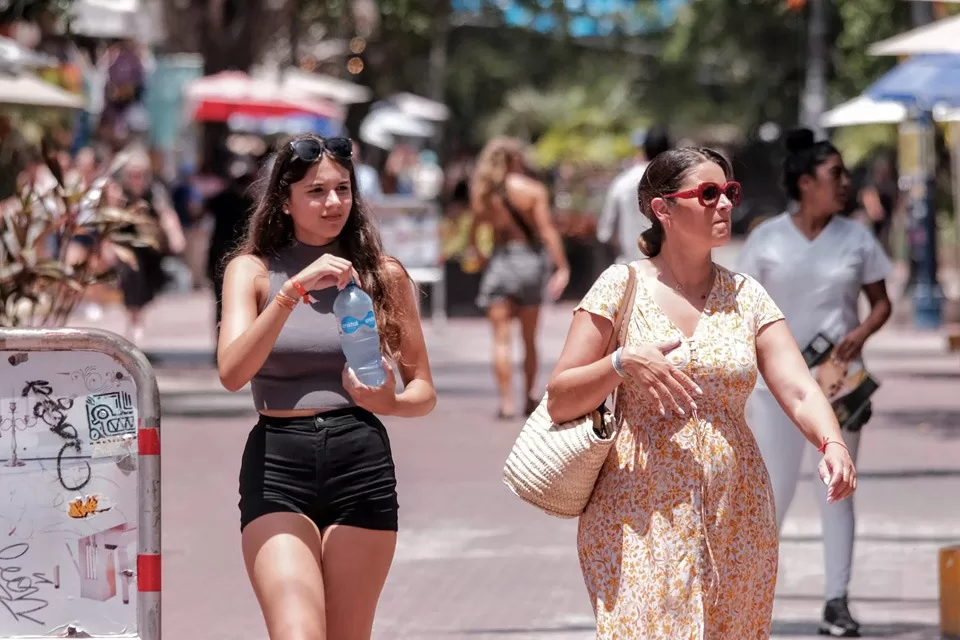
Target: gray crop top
column 304, row 368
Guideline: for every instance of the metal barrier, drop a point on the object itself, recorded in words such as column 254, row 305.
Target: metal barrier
column 79, row 414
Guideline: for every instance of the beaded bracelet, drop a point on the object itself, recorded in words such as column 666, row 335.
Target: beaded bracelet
column 823, row 446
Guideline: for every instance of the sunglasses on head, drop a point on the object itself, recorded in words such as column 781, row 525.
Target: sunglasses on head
column 310, row 150
column 708, row 193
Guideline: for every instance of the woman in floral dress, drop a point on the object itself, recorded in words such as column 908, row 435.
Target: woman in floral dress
column 679, row 539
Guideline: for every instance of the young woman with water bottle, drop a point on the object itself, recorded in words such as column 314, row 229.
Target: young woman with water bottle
column 318, row 501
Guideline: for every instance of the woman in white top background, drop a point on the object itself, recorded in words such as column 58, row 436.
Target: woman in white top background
column 814, row 263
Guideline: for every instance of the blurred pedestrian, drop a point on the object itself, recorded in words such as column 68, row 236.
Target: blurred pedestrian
column 881, row 200
column 621, row 222
column 230, row 210
column 815, row 263
column 368, row 178
column 518, row 209
column 141, row 283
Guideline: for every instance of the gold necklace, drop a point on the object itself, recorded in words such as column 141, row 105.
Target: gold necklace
column 679, row 287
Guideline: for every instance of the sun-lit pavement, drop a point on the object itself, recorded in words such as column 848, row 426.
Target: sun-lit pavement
column 474, row 562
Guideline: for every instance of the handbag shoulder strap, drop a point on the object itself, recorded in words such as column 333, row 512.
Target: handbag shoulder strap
column 622, row 325
column 625, row 311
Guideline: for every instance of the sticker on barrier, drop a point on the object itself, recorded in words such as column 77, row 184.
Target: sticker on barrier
column 79, row 485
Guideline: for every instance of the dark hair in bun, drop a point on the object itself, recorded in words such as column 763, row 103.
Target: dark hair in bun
column 804, row 155
column 798, row 140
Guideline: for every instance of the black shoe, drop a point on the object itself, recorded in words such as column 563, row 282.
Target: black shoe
column 837, row 621
column 531, row 406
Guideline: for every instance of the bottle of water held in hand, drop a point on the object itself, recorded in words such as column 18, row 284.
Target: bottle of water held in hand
column 359, row 337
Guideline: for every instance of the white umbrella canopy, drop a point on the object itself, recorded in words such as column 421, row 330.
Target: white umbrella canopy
column 865, row 110
column 318, row 85
column 219, row 96
column 942, row 36
column 384, row 123
column 29, row 90
column 13, row 55
column 420, row 107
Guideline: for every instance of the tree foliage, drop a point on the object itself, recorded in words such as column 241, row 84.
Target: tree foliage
column 588, row 122
column 743, row 62
column 731, row 62
column 862, row 23
column 38, row 288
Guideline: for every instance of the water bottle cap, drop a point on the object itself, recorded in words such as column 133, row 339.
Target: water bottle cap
column 352, row 283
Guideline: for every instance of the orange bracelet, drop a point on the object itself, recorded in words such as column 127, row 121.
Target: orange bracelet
column 300, row 290
column 823, row 445
column 285, row 301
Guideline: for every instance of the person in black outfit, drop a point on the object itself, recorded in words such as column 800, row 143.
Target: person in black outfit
column 231, row 210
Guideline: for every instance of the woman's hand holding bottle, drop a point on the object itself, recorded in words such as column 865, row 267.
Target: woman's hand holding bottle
column 326, row 271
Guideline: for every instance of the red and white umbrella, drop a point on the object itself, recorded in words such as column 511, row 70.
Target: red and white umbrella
column 217, row 97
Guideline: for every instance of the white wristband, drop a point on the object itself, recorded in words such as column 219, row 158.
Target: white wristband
column 615, row 361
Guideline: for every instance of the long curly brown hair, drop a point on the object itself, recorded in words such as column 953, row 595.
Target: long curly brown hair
column 271, row 230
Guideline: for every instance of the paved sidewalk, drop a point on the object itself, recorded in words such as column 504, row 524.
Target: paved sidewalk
column 474, row 562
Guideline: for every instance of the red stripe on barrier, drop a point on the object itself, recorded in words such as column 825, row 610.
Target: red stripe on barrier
column 149, row 442
column 148, row 572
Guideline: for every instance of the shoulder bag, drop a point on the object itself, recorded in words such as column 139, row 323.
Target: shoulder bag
column 554, row 467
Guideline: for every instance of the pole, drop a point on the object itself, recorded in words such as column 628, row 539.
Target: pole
column 921, row 13
column 437, row 65
column 927, row 294
column 294, row 34
column 814, row 101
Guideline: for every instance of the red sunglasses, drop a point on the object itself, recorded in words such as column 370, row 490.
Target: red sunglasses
column 708, row 193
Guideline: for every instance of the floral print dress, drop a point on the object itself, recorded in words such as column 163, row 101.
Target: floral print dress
column 679, row 539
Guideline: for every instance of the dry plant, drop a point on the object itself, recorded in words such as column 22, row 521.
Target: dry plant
column 40, row 288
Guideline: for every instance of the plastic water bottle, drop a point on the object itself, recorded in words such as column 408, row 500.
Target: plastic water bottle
column 359, row 337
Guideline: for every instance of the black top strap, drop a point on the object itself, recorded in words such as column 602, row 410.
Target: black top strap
column 531, row 235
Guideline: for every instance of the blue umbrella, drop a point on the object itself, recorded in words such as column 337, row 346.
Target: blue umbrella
column 921, row 81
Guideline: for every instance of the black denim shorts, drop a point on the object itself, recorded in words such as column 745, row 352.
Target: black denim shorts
column 334, row 468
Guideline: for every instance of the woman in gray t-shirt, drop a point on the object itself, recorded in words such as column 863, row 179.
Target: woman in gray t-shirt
column 318, row 500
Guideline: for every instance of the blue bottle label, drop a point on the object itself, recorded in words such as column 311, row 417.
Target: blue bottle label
column 350, row 324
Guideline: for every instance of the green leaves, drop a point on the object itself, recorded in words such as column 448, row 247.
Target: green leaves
column 40, row 280
column 745, row 59
column 582, row 123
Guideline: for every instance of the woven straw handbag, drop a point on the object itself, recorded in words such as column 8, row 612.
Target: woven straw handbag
column 554, row 467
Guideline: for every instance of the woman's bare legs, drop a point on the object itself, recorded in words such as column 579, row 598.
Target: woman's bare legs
column 282, row 552
column 529, row 319
column 500, row 314
column 355, row 567
column 313, row 587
